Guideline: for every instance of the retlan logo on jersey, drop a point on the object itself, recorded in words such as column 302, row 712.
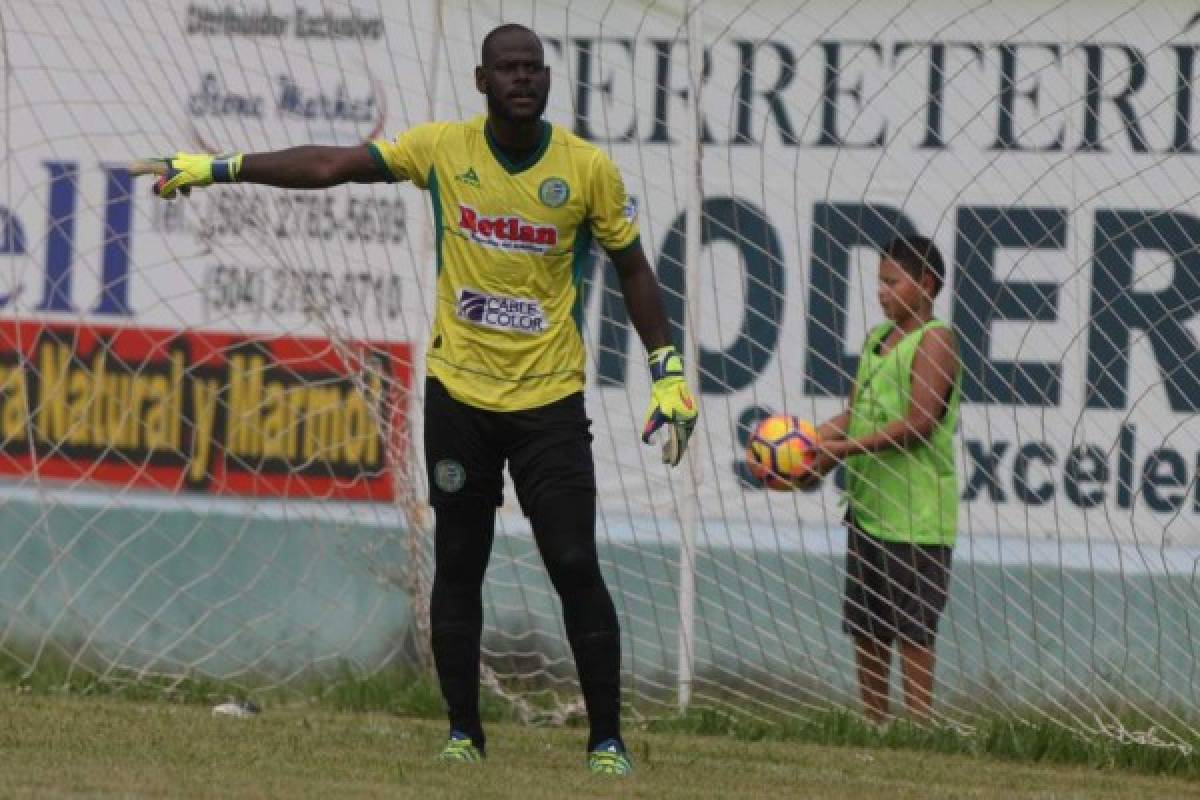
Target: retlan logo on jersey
column 506, row 232
column 517, row 314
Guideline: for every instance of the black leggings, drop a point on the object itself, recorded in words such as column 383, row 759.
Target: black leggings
column 564, row 528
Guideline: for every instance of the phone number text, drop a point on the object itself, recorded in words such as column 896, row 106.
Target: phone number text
column 325, row 216
column 314, row 293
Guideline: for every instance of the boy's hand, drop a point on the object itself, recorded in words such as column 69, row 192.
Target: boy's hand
column 824, row 463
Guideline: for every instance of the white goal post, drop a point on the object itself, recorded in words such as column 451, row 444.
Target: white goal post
column 210, row 410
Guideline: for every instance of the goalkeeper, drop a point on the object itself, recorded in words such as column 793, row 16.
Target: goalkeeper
column 517, row 203
column 897, row 443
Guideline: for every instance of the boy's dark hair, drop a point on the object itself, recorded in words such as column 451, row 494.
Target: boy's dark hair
column 918, row 255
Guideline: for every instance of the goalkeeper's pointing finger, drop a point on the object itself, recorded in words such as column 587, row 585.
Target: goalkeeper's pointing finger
column 160, row 167
column 150, row 166
column 183, row 171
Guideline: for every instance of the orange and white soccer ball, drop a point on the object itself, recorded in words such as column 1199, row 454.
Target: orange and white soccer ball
column 779, row 449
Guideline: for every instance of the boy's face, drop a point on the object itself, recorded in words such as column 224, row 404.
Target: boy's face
column 900, row 294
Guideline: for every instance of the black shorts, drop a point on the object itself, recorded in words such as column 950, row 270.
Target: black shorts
column 894, row 590
column 548, row 448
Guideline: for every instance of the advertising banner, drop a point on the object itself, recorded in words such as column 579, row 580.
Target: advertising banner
column 1049, row 150
column 224, row 414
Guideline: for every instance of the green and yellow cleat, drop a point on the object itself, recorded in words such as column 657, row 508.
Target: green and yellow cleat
column 609, row 758
column 460, row 749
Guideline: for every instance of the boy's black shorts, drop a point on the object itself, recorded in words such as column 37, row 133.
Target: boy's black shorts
column 894, row 590
column 466, row 448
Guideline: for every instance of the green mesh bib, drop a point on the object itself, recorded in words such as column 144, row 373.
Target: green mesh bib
column 906, row 495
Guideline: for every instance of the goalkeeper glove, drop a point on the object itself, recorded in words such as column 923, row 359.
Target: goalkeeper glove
column 182, row 171
column 671, row 404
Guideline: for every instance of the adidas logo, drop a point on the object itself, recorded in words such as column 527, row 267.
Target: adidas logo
column 469, row 178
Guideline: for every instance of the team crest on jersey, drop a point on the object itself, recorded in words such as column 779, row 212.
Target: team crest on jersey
column 554, row 192
column 449, row 475
column 517, row 314
column 506, row 232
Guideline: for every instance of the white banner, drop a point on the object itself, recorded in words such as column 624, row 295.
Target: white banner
column 1049, row 149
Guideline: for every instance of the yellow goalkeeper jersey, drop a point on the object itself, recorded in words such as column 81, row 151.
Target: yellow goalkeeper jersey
column 511, row 243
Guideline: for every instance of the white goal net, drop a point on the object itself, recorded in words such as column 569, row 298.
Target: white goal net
column 210, row 409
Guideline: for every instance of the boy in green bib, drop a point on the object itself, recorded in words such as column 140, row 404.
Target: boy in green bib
column 896, row 441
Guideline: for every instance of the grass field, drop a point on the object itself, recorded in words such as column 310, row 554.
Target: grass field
column 73, row 746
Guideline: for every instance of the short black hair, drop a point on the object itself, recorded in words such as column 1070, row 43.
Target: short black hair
column 918, row 255
column 485, row 51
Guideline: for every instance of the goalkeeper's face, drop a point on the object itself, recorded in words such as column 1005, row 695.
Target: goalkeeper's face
column 515, row 78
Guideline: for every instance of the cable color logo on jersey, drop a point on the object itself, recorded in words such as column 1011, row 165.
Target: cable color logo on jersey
column 502, row 313
column 630, row 210
column 506, row 233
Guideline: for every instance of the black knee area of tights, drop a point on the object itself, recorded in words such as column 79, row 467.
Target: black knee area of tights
column 573, row 566
column 462, row 542
column 564, row 525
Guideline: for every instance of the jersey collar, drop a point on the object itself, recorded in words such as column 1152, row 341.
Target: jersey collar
column 526, row 163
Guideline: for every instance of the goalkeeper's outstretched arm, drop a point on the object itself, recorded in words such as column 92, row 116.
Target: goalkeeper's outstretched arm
column 306, row 167
column 311, row 167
